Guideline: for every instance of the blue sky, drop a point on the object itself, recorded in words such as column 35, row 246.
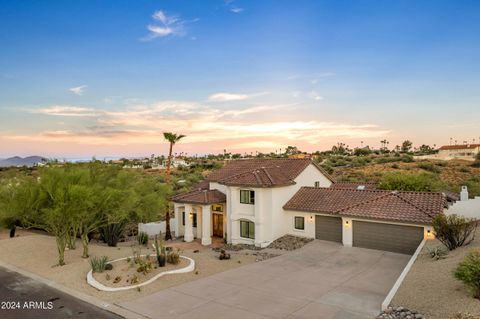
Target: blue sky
column 106, row 78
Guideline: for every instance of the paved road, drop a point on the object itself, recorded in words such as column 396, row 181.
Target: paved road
column 323, row 280
column 34, row 300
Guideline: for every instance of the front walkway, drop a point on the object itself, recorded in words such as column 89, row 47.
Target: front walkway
column 322, row 280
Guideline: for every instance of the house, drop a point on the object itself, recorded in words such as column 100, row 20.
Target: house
column 255, row 201
column 467, row 151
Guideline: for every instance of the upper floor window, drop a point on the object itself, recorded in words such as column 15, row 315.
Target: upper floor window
column 247, row 197
column 317, row 184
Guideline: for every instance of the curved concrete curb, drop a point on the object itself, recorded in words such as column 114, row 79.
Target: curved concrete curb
column 94, row 283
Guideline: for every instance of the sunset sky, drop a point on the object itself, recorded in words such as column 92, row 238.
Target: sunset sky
column 106, row 78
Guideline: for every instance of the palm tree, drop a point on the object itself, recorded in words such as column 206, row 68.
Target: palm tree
column 172, row 138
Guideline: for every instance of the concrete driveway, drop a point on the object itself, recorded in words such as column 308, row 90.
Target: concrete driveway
column 323, row 280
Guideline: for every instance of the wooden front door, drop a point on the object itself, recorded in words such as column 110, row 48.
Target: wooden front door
column 218, row 225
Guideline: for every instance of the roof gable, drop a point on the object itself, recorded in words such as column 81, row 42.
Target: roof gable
column 263, row 172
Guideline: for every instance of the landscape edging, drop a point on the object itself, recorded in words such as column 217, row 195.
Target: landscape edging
column 94, row 283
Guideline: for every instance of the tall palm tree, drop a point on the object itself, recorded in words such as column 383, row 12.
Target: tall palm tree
column 172, row 138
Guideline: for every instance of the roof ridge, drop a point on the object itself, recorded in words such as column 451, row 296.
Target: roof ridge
column 268, row 175
column 428, row 213
column 364, row 202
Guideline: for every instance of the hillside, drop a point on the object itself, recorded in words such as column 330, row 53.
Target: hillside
column 19, row 161
column 449, row 175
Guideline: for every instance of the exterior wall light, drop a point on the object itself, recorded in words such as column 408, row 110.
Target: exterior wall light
column 311, row 218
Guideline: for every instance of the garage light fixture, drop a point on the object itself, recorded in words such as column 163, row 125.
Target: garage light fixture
column 311, row 218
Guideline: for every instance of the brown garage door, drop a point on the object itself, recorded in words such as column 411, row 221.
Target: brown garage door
column 328, row 228
column 396, row 238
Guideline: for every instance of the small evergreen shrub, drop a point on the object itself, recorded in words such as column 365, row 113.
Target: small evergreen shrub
column 468, row 271
column 437, row 253
column 453, row 230
column 98, row 264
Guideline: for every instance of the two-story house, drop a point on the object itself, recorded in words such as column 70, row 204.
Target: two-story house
column 255, row 201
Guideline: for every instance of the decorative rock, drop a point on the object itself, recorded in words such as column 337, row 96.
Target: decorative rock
column 400, row 313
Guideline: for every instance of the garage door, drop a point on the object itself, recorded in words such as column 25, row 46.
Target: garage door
column 328, row 228
column 394, row 238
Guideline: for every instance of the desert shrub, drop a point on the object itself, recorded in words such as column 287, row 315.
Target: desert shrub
column 173, row 257
column 437, row 253
column 425, row 182
column 142, row 238
column 476, row 163
column 453, row 230
column 144, row 265
column 98, row 264
column 429, row 167
column 395, row 166
column 468, row 271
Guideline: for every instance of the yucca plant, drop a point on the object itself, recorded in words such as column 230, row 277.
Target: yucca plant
column 142, row 238
column 98, row 264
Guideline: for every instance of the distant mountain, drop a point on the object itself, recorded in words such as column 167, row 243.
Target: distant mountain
column 19, row 161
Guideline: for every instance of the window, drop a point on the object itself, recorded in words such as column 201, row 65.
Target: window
column 247, row 229
column 299, row 222
column 194, row 219
column 247, row 197
column 317, row 184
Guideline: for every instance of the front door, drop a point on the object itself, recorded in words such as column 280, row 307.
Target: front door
column 218, row 225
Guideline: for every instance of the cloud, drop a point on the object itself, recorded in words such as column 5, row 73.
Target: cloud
column 212, row 127
column 66, row 110
column 166, row 25
column 232, row 7
column 226, row 97
column 78, row 90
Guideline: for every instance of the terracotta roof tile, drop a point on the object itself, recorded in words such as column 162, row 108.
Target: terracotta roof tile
column 200, row 196
column 262, row 172
column 414, row 207
column 459, row 147
column 354, row 185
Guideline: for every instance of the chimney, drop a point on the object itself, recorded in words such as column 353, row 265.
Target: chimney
column 464, row 194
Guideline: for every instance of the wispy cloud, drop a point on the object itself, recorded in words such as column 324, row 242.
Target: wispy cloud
column 165, row 25
column 226, row 97
column 232, row 7
column 78, row 90
column 240, row 128
column 66, row 110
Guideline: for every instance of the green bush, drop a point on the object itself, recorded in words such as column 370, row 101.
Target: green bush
column 453, row 230
column 98, row 264
column 173, row 257
column 429, row 167
column 424, row 182
column 142, row 238
column 468, row 271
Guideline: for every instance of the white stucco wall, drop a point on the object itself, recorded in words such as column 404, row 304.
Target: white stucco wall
column 469, row 208
column 267, row 213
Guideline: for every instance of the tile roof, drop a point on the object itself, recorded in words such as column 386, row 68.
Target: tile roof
column 414, row 207
column 353, row 185
column 459, row 147
column 263, row 172
column 200, row 196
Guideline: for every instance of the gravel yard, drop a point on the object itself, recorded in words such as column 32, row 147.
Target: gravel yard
column 37, row 253
column 431, row 289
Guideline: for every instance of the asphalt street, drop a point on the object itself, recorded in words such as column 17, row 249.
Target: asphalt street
column 25, row 298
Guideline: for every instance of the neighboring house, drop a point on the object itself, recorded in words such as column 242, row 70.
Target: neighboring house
column 459, row 151
column 255, row 201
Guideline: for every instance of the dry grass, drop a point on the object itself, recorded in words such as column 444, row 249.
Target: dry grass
column 431, row 288
column 37, row 253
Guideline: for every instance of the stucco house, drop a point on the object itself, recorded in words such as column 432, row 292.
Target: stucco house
column 255, row 201
column 459, row 151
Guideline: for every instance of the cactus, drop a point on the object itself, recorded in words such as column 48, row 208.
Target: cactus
column 160, row 250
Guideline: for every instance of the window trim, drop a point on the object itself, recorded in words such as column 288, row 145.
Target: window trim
column 250, row 198
column 249, row 224
column 295, row 223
